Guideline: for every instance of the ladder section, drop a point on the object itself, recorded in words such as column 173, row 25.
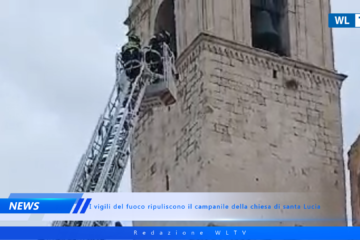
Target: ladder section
column 108, row 152
column 99, row 137
column 113, row 170
column 102, row 166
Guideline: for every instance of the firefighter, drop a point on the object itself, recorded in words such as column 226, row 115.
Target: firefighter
column 118, row 224
column 160, row 39
column 131, row 57
column 153, row 57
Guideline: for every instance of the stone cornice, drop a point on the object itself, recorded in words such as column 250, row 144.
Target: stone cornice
column 258, row 57
column 136, row 10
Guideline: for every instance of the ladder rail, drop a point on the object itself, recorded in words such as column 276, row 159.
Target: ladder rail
column 82, row 163
column 112, row 124
column 85, row 158
column 101, row 152
column 127, row 141
column 80, row 174
column 118, row 177
column 117, row 135
column 116, row 103
column 120, row 173
column 112, row 158
column 107, row 174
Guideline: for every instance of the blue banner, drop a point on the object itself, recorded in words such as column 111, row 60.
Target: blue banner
column 37, row 205
column 180, row 233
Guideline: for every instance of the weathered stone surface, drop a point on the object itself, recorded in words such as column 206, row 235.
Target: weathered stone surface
column 310, row 37
column 246, row 120
column 354, row 167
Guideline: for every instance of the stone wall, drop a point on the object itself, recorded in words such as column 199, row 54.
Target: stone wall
column 354, row 167
column 245, row 121
column 167, row 139
column 310, row 37
column 259, row 120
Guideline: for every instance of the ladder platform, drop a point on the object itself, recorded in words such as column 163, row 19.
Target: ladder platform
column 161, row 93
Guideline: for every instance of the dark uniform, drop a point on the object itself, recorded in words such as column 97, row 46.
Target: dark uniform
column 118, row 224
column 131, row 57
column 153, row 57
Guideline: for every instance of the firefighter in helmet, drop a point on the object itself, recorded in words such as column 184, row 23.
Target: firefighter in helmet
column 131, row 56
column 154, row 57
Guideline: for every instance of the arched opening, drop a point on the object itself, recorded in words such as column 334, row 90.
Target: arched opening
column 270, row 26
column 165, row 20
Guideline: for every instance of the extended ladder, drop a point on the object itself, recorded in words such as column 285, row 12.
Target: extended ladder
column 102, row 166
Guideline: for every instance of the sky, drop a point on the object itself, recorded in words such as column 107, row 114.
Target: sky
column 57, row 70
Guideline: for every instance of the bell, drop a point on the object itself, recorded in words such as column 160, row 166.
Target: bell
column 268, row 5
column 265, row 35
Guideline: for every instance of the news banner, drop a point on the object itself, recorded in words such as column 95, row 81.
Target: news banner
column 229, row 209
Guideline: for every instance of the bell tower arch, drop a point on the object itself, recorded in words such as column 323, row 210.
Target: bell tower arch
column 269, row 26
column 165, row 20
column 249, row 117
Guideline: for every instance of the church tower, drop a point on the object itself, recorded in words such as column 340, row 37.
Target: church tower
column 258, row 102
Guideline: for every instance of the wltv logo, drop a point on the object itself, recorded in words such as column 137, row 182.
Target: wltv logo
column 347, row 20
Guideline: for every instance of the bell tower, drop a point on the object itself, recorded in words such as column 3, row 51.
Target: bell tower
column 258, row 105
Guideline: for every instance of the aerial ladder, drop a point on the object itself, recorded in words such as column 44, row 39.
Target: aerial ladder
column 102, row 166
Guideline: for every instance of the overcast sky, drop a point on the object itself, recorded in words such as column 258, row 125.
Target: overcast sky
column 57, row 70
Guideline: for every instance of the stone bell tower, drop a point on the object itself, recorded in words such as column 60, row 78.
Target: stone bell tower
column 258, row 105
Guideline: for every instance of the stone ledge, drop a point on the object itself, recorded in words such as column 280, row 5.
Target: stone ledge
column 258, row 57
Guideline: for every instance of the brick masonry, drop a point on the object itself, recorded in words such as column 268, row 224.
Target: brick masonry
column 246, row 120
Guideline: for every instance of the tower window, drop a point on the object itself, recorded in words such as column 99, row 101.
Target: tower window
column 165, row 20
column 274, row 74
column 269, row 26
